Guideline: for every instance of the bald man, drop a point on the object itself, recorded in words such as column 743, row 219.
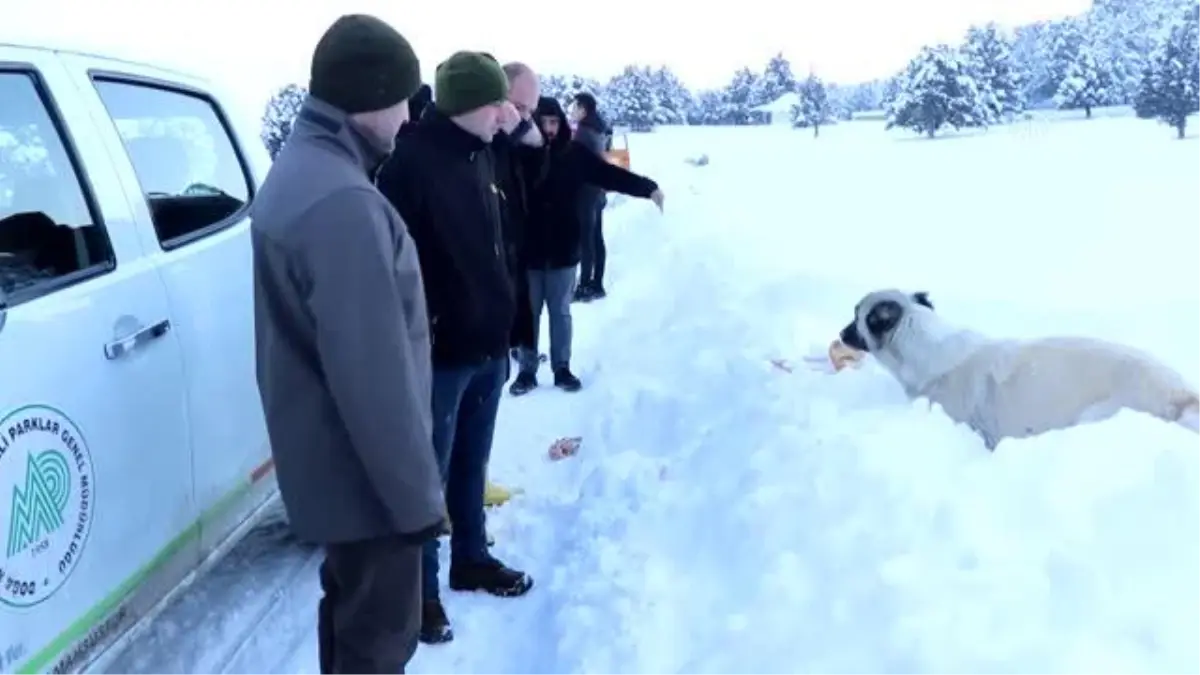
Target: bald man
column 517, row 135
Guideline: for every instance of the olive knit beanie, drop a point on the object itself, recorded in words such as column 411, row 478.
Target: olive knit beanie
column 362, row 64
column 468, row 80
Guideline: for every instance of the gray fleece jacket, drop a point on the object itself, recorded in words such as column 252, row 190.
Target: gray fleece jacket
column 342, row 341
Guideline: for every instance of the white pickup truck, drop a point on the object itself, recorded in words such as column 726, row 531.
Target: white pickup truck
column 132, row 441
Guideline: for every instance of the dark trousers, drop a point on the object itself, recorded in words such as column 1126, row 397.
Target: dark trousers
column 465, row 402
column 593, row 254
column 524, row 330
column 370, row 614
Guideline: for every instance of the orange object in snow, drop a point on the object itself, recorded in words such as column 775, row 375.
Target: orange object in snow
column 620, row 156
column 841, row 355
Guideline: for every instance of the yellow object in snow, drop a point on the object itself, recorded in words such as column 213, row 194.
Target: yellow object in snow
column 495, row 495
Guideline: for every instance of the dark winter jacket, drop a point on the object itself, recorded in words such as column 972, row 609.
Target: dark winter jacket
column 441, row 180
column 511, row 158
column 559, row 178
column 591, row 134
column 419, row 101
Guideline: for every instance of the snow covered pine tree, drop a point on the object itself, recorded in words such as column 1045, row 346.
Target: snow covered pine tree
column 777, row 79
column 989, row 55
column 556, row 87
column 674, row 98
column 814, row 108
column 632, row 99
column 1170, row 87
column 1087, row 83
column 280, row 113
column 936, row 89
column 738, row 98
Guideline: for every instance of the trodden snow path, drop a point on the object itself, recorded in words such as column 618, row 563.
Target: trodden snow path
column 726, row 516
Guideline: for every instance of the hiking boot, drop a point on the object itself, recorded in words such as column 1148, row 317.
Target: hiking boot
column 524, row 383
column 564, row 379
column 435, row 625
column 490, row 576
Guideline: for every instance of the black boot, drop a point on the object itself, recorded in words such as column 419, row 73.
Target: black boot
column 524, row 383
column 435, row 625
column 564, row 379
column 597, row 291
column 490, row 576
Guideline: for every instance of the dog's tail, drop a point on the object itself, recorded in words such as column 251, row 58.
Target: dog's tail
column 1189, row 412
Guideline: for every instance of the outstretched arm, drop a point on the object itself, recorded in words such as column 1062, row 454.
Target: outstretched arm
column 612, row 178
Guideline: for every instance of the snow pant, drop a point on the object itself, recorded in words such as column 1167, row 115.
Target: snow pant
column 524, row 330
column 552, row 289
column 370, row 615
column 593, row 253
column 465, row 402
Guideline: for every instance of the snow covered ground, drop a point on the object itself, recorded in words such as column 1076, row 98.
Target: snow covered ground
column 727, row 516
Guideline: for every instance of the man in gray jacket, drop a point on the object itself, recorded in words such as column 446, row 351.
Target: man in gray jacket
column 343, row 349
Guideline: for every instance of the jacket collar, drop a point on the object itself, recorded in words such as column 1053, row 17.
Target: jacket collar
column 441, row 129
column 330, row 126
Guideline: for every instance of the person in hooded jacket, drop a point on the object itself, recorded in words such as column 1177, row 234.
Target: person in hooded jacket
column 560, row 175
column 419, row 102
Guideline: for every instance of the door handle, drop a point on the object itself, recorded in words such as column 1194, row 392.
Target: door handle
column 118, row 348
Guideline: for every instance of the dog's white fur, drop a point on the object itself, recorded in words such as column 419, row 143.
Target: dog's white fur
column 1018, row 388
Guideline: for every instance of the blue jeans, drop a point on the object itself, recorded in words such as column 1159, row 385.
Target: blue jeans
column 552, row 289
column 465, row 401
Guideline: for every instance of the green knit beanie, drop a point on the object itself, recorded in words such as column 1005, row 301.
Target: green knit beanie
column 467, row 81
column 362, row 64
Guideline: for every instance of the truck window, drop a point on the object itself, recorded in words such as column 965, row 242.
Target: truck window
column 187, row 163
column 50, row 233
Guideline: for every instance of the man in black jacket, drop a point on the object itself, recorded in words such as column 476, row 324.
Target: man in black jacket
column 517, row 137
column 592, row 133
column 441, row 179
column 561, row 175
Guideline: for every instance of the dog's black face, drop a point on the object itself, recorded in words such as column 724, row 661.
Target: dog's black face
column 882, row 316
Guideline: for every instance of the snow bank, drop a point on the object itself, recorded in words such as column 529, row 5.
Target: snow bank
column 726, row 516
column 834, row 534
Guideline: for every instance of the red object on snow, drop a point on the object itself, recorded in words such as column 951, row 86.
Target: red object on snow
column 565, row 447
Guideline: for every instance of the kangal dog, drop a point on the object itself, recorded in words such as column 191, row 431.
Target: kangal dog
column 1013, row 388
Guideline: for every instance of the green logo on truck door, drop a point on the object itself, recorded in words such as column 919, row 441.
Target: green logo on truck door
column 46, row 477
column 37, row 511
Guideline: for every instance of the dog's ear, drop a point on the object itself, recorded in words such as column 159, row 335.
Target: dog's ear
column 922, row 298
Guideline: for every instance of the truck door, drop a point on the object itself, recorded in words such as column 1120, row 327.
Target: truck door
column 94, row 456
column 184, row 172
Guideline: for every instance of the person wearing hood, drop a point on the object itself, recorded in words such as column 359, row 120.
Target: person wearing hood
column 560, row 176
column 441, row 178
column 419, row 102
column 342, row 343
column 593, row 133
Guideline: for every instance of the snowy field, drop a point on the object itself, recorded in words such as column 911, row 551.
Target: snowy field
column 727, row 516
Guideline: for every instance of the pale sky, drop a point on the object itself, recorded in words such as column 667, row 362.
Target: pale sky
column 255, row 46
